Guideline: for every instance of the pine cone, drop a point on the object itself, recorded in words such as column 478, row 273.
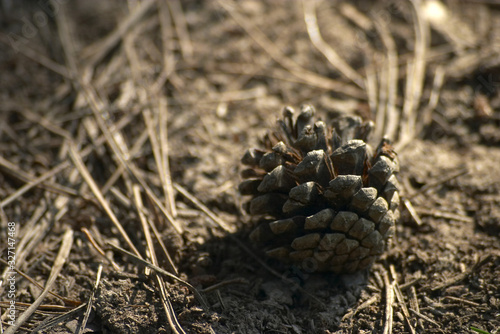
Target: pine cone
column 327, row 201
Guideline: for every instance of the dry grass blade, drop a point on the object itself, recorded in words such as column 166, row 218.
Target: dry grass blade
column 168, row 46
column 17, row 172
column 391, row 115
column 237, row 95
column 67, row 242
column 177, row 227
column 118, row 172
column 412, row 211
column 278, row 56
column 415, row 79
column 97, row 193
column 66, row 301
column 34, row 231
column 421, row 46
column 372, row 87
column 42, row 309
column 389, row 300
column 167, row 305
column 99, row 249
column 402, row 303
column 414, row 306
column 372, row 300
column 381, row 111
column 66, row 41
column 458, row 278
column 91, row 301
column 382, row 93
column 450, row 25
column 164, row 149
column 203, row 208
column 225, row 283
column 114, row 138
column 181, row 29
column 159, row 240
column 45, row 325
column 36, row 56
column 437, row 84
column 151, row 254
column 271, row 72
column 169, row 309
column 446, row 215
column 44, row 122
column 13, row 170
column 355, row 16
column 439, row 182
column 315, row 36
column 159, row 144
column 426, row 318
column 26, row 234
column 35, row 182
column 461, row 300
column 121, row 152
column 155, row 145
column 163, row 272
column 96, row 52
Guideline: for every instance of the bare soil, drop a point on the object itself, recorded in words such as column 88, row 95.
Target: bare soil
column 200, row 82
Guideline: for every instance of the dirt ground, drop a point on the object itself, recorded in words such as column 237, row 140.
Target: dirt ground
column 123, row 123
